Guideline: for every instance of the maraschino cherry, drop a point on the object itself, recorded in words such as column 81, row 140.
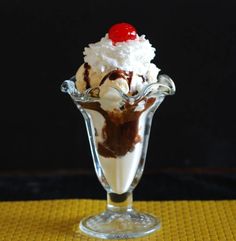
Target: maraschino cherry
column 122, row 32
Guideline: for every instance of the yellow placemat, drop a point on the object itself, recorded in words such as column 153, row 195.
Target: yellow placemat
column 54, row 220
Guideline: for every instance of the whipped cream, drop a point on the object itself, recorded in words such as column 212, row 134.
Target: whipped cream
column 132, row 55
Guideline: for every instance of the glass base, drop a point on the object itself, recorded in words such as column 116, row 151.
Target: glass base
column 119, row 225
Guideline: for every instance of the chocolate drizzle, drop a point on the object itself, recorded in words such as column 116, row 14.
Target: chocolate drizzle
column 87, row 67
column 104, row 78
column 121, row 130
column 129, row 79
column 116, row 74
column 143, row 78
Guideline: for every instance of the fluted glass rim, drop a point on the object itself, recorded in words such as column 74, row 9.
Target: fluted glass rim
column 164, row 86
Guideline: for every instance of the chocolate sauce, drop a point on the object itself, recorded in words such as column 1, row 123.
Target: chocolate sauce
column 116, row 74
column 143, row 78
column 129, row 79
column 120, row 132
column 104, row 79
column 86, row 75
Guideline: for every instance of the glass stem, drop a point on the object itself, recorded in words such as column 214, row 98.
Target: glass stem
column 120, row 202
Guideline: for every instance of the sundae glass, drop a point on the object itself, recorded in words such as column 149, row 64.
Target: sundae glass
column 118, row 90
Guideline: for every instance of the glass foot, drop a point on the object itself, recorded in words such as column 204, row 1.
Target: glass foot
column 119, row 225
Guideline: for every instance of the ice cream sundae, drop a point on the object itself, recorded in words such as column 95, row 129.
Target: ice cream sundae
column 118, row 89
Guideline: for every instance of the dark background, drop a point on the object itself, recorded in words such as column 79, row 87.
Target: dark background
column 42, row 44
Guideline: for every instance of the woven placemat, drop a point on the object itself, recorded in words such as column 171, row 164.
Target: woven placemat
column 54, row 220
